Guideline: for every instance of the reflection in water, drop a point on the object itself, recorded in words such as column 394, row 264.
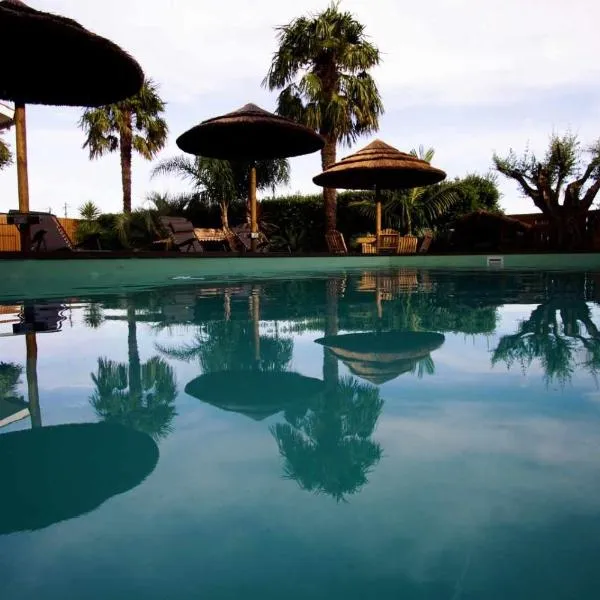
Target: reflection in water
column 329, row 450
column 560, row 333
column 12, row 405
column 383, row 356
column 56, row 473
column 140, row 396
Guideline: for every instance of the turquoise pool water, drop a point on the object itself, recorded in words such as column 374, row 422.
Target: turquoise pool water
column 391, row 433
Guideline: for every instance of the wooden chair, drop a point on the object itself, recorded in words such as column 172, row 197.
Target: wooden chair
column 407, row 244
column 181, row 234
column 335, row 242
column 388, row 240
column 426, row 242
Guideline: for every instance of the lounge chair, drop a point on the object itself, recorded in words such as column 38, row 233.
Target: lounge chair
column 335, row 242
column 426, row 242
column 388, row 240
column 48, row 235
column 407, row 244
column 181, row 234
column 244, row 236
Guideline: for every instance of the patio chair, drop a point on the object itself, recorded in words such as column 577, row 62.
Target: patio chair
column 407, row 244
column 426, row 242
column 244, row 236
column 388, row 240
column 181, row 234
column 48, row 235
column 335, row 242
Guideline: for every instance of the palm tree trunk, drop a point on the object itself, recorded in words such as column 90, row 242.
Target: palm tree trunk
column 330, row 362
column 135, row 368
column 328, row 157
column 224, row 216
column 126, row 146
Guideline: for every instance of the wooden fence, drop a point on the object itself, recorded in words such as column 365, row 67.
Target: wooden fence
column 9, row 234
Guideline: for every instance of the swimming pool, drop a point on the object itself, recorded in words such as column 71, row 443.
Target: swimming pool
column 389, row 432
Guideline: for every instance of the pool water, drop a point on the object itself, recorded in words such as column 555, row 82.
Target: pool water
column 390, row 433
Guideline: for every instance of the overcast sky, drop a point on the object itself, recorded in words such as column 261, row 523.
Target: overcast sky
column 468, row 77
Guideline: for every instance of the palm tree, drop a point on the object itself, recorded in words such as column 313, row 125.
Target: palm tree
column 10, row 375
column 321, row 68
column 140, row 396
column 418, row 208
column 220, row 182
column 133, row 124
column 329, row 449
column 5, row 154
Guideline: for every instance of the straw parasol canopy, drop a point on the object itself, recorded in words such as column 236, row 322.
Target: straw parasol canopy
column 256, row 394
column 250, row 133
column 54, row 60
column 57, row 473
column 380, row 357
column 379, row 166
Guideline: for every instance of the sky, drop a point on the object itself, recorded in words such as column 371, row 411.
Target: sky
column 466, row 77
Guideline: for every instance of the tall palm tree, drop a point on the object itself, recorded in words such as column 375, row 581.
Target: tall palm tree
column 134, row 124
column 141, row 396
column 220, row 182
column 5, row 154
column 418, row 208
column 322, row 69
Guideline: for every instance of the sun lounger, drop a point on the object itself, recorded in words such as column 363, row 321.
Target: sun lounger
column 335, row 242
column 181, row 234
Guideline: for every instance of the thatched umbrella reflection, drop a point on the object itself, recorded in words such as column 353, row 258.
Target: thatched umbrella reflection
column 379, row 166
column 250, row 134
column 49, row 71
column 57, row 473
column 383, row 356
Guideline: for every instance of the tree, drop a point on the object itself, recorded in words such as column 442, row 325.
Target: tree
column 133, row 124
column 5, row 154
column 562, row 185
column 10, row 375
column 221, row 182
column 322, row 69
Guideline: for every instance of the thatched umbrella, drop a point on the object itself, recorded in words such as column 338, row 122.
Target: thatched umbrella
column 57, row 473
column 379, row 166
column 65, row 65
column 380, row 357
column 256, row 394
column 250, row 134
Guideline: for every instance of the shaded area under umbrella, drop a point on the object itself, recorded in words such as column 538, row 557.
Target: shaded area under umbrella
column 57, row 473
column 250, row 134
column 381, row 357
column 49, row 71
column 256, row 394
column 379, row 166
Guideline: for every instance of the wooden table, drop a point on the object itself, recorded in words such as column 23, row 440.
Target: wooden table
column 368, row 244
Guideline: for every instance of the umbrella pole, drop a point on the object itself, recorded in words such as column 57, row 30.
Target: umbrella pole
column 33, row 395
column 378, row 218
column 23, row 183
column 253, row 217
column 256, row 322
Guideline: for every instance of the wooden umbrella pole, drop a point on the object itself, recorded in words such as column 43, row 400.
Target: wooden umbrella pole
column 33, row 395
column 378, row 218
column 256, row 322
column 23, row 183
column 253, row 215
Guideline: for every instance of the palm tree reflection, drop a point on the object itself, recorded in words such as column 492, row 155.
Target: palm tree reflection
column 136, row 395
column 329, row 450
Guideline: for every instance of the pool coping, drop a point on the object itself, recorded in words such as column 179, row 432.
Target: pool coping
column 98, row 274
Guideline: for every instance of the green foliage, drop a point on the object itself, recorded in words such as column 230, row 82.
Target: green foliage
column 6, row 157
column 88, row 225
